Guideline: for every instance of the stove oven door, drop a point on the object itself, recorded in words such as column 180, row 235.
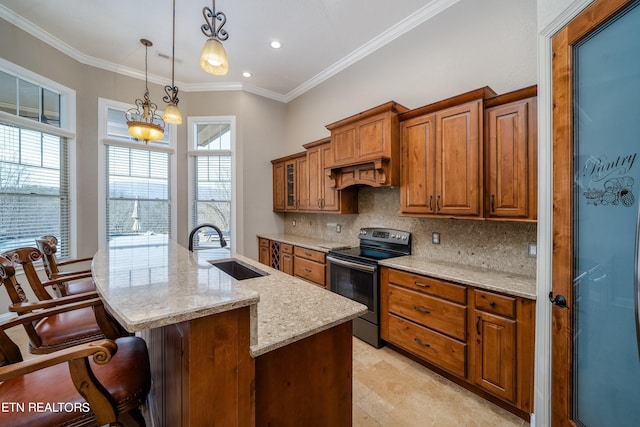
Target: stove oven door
column 356, row 281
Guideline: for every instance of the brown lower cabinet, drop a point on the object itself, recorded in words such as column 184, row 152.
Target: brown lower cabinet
column 483, row 340
column 298, row 261
column 203, row 375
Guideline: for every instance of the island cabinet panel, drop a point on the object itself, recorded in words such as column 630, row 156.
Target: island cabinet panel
column 202, row 372
column 307, row 383
column 511, row 156
column 487, row 346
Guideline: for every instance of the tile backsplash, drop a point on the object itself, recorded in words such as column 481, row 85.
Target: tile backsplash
column 491, row 244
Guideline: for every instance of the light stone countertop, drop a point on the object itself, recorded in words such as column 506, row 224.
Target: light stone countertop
column 508, row 283
column 305, row 242
column 155, row 284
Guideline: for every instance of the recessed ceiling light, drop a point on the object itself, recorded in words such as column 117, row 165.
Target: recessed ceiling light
column 276, row 44
column 246, row 74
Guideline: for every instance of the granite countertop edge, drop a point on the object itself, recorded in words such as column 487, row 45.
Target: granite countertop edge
column 513, row 284
column 305, row 242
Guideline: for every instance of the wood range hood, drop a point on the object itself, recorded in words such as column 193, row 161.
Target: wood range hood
column 365, row 148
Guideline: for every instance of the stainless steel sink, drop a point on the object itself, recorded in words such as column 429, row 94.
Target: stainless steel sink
column 237, row 270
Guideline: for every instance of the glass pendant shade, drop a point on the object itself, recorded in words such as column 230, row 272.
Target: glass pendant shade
column 145, row 131
column 214, row 58
column 172, row 115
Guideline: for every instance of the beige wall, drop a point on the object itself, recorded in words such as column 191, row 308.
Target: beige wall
column 259, row 136
column 470, row 45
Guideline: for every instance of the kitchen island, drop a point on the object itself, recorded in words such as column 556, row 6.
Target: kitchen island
column 266, row 350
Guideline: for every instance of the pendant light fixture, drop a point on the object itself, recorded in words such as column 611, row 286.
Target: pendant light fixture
column 213, row 58
column 171, row 112
column 142, row 121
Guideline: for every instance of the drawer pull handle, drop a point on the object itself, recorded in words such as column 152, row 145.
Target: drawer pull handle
column 421, row 309
column 308, row 253
column 307, row 270
column 419, row 341
column 492, row 303
column 422, row 285
column 478, row 325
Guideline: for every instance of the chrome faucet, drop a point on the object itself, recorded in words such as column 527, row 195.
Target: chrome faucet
column 223, row 242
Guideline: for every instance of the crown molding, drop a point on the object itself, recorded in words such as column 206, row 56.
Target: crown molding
column 409, row 23
column 420, row 16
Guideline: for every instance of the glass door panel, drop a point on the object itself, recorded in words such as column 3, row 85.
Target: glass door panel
column 606, row 366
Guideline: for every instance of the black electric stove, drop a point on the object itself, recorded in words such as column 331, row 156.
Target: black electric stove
column 353, row 273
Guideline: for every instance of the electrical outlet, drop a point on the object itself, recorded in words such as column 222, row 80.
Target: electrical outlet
column 435, row 238
column 293, row 223
column 338, row 228
column 532, row 249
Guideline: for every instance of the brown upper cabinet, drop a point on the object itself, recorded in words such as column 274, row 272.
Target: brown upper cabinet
column 300, row 183
column 511, row 158
column 441, row 157
column 365, row 147
column 289, row 194
column 322, row 196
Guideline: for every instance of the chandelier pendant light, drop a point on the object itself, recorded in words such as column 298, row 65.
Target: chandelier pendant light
column 213, row 58
column 171, row 112
column 142, row 121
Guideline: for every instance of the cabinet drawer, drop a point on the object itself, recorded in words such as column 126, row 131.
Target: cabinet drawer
column 309, row 254
column 435, row 313
column 264, row 243
column 495, row 303
column 436, row 348
column 427, row 285
column 309, row 270
column 286, row 248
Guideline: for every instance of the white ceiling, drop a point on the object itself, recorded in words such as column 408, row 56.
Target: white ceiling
column 319, row 37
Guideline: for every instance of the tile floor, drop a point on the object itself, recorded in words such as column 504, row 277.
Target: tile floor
column 392, row 390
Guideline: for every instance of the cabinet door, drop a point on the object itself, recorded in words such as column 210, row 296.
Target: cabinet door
column 495, row 354
column 279, row 186
column 508, row 164
column 417, row 192
column 290, row 186
column 344, row 142
column 264, row 255
column 316, row 174
column 458, row 183
column 286, row 263
column 302, row 183
column 371, row 138
column 330, row 196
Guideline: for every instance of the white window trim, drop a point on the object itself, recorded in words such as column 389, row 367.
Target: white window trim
column 67, row 130
column 193, row 152
column 104, row 141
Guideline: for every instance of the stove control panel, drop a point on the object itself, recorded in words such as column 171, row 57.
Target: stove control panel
column 385, row 235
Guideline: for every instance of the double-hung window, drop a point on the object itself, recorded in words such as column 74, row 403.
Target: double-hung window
column 137, row 183
column 36, row 137
column 210, row 168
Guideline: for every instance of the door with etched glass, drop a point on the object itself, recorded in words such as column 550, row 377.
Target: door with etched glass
column 596, row 174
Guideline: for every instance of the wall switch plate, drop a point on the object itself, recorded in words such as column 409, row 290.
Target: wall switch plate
column 338, row 228
column 532, row 249
column 435, row 238
column 293, row 223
